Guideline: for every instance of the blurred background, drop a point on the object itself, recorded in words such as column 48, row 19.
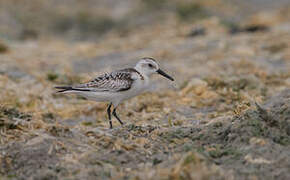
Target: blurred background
column 92, row 35
column 91, row 20
column 225, row 55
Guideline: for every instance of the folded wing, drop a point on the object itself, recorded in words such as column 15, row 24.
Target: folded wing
column 113, row 82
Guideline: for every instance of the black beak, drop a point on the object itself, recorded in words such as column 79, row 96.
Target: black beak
column 159, row 71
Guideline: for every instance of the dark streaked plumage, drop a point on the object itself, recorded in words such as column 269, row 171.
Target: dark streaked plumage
column 113, row 82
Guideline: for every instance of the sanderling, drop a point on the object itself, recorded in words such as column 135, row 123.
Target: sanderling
column 117, row 86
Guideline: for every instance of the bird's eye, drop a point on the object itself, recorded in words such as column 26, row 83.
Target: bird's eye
column 150, row 65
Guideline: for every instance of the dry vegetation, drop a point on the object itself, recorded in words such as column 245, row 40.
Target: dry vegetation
column 227, row 116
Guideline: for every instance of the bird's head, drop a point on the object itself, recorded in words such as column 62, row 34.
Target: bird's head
column 149, row 66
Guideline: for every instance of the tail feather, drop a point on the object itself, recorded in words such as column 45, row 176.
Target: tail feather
column 69, row 88
column 63, row 88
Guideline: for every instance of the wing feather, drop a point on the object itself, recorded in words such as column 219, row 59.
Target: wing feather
column 116, row 81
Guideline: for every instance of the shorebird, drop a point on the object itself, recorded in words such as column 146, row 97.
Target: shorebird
column 117, row 86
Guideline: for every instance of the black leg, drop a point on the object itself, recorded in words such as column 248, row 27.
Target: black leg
column 116, row 116
column 109, row 115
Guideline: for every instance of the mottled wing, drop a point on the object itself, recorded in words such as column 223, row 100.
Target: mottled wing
column 116, row 81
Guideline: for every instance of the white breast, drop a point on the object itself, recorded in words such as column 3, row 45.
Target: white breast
column 138, row 87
